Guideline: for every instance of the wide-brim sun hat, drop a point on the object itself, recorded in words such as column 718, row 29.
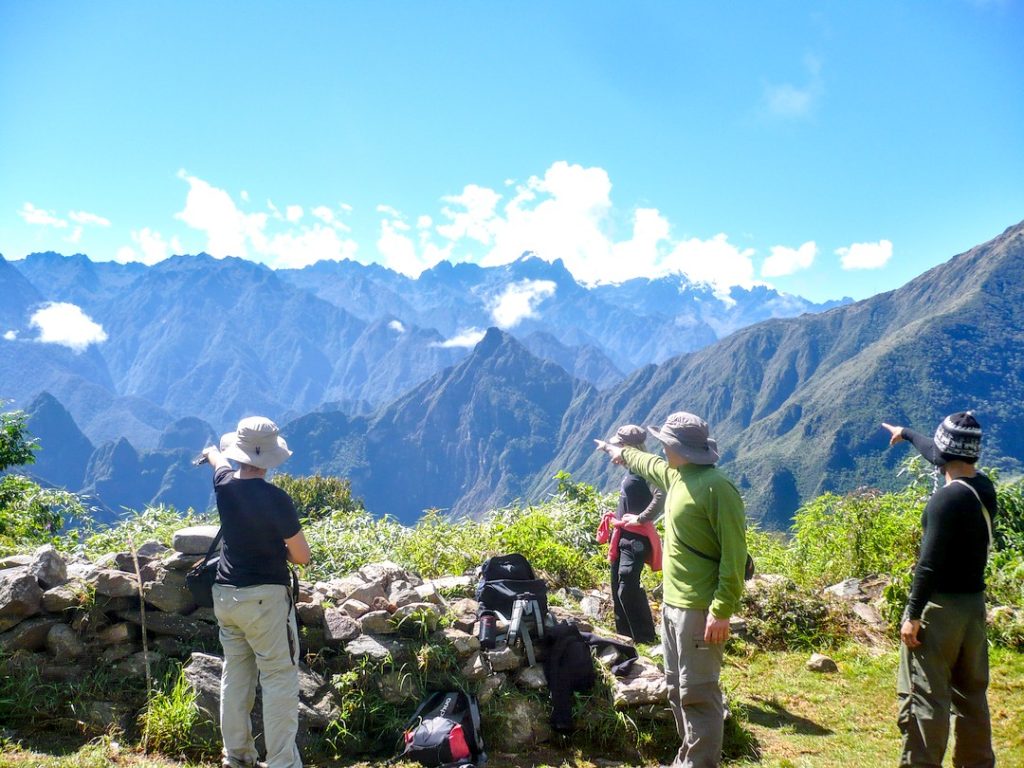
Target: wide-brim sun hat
column 256, row 441
column 629, row 435
column 687, row 435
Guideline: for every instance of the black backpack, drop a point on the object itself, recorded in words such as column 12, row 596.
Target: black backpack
column 445, row 731
column 569, row 668
column 503, row 578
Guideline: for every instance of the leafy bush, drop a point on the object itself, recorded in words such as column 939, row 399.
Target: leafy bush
column 31, row 515
column 319, row 495
column 16, row 447
column 341, row 542
column 781, row 616
column 438, row 545
column 862, row 533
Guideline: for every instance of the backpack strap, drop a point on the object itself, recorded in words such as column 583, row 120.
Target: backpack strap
column 213, row 546
column 984, row 510
column 478, row 737
column 426, row 704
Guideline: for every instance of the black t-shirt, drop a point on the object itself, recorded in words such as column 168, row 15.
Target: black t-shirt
column 256, row 517
column 634, row 496
column 954, row 549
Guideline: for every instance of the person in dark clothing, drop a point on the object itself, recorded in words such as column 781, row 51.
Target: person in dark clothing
column 252, row 595
column 634, row 541
column 944, row 652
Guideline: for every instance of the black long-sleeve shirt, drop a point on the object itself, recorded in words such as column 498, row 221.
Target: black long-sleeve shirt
column 638, row 498
column 925, row 445
column 954, row 548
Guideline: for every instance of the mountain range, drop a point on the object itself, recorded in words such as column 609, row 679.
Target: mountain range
column 357, row 364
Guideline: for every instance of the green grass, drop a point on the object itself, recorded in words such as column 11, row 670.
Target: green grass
column 804, row 719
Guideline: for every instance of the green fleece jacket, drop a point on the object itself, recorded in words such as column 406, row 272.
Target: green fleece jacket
column 703, row 509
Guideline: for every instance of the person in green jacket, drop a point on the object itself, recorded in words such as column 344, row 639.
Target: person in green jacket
column 705, row 556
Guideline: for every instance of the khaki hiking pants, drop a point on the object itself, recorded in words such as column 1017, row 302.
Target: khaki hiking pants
column 261, row 643
column 947, row 674
column 692, row 669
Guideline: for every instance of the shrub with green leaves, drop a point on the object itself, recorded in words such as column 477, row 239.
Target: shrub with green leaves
column 782, row 616
column 855, row 535
column 16, row 446
column 31, row 515
column 319, row 495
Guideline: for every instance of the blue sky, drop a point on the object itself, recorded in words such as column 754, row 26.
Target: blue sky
column 828, row 149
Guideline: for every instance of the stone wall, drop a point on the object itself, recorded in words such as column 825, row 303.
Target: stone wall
column 60, row 617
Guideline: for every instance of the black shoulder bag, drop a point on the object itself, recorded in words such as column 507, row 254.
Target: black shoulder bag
column 748, row 569
column 201, row 576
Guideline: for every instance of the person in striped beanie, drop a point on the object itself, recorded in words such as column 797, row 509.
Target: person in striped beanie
column 944, row 652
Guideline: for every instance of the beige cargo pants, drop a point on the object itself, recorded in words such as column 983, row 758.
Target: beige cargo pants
column 692, row 669
column 261, row 643
column 947, row 674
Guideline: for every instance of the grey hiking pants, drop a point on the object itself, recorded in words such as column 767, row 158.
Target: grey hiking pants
column 261, row 642
column 692, row 669
column 947, row 673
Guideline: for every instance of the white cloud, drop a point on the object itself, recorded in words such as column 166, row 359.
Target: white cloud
column 11, row 335
column 244, row 195
column 424, row 222
column 228, row 230
column 789, row 101
column 785, row 261
column 67, row 325
column 75, row 236
column 567, row 214
column 468, row 338
column 152, row 245
column 396, row 326
column 84, row 217
column 519, row 301
column 325, row 214
column 475, row 220
column 865, row 255
column 400, row 253
column 38, row 216
column 295, row 250
column 716, row 262
column 387, row 210
column 271, row 238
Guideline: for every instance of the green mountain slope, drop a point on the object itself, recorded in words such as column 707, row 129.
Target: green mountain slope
column 795, row 404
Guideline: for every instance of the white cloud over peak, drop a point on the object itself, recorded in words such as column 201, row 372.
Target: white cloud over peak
column 716, row 262
column 228, row 230
column 271, row 238
column 567, row 214
column 519, row 301
column 396, row 326
column 38, row 216
column 468, row 338
column 11, row 335
column 785, row 261
column 865, row 255
column 67, row 325
column 84, row 217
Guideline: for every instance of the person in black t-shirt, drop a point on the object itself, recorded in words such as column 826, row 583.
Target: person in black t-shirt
column 944, row 652
column 633, row 542
column 252, row 595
